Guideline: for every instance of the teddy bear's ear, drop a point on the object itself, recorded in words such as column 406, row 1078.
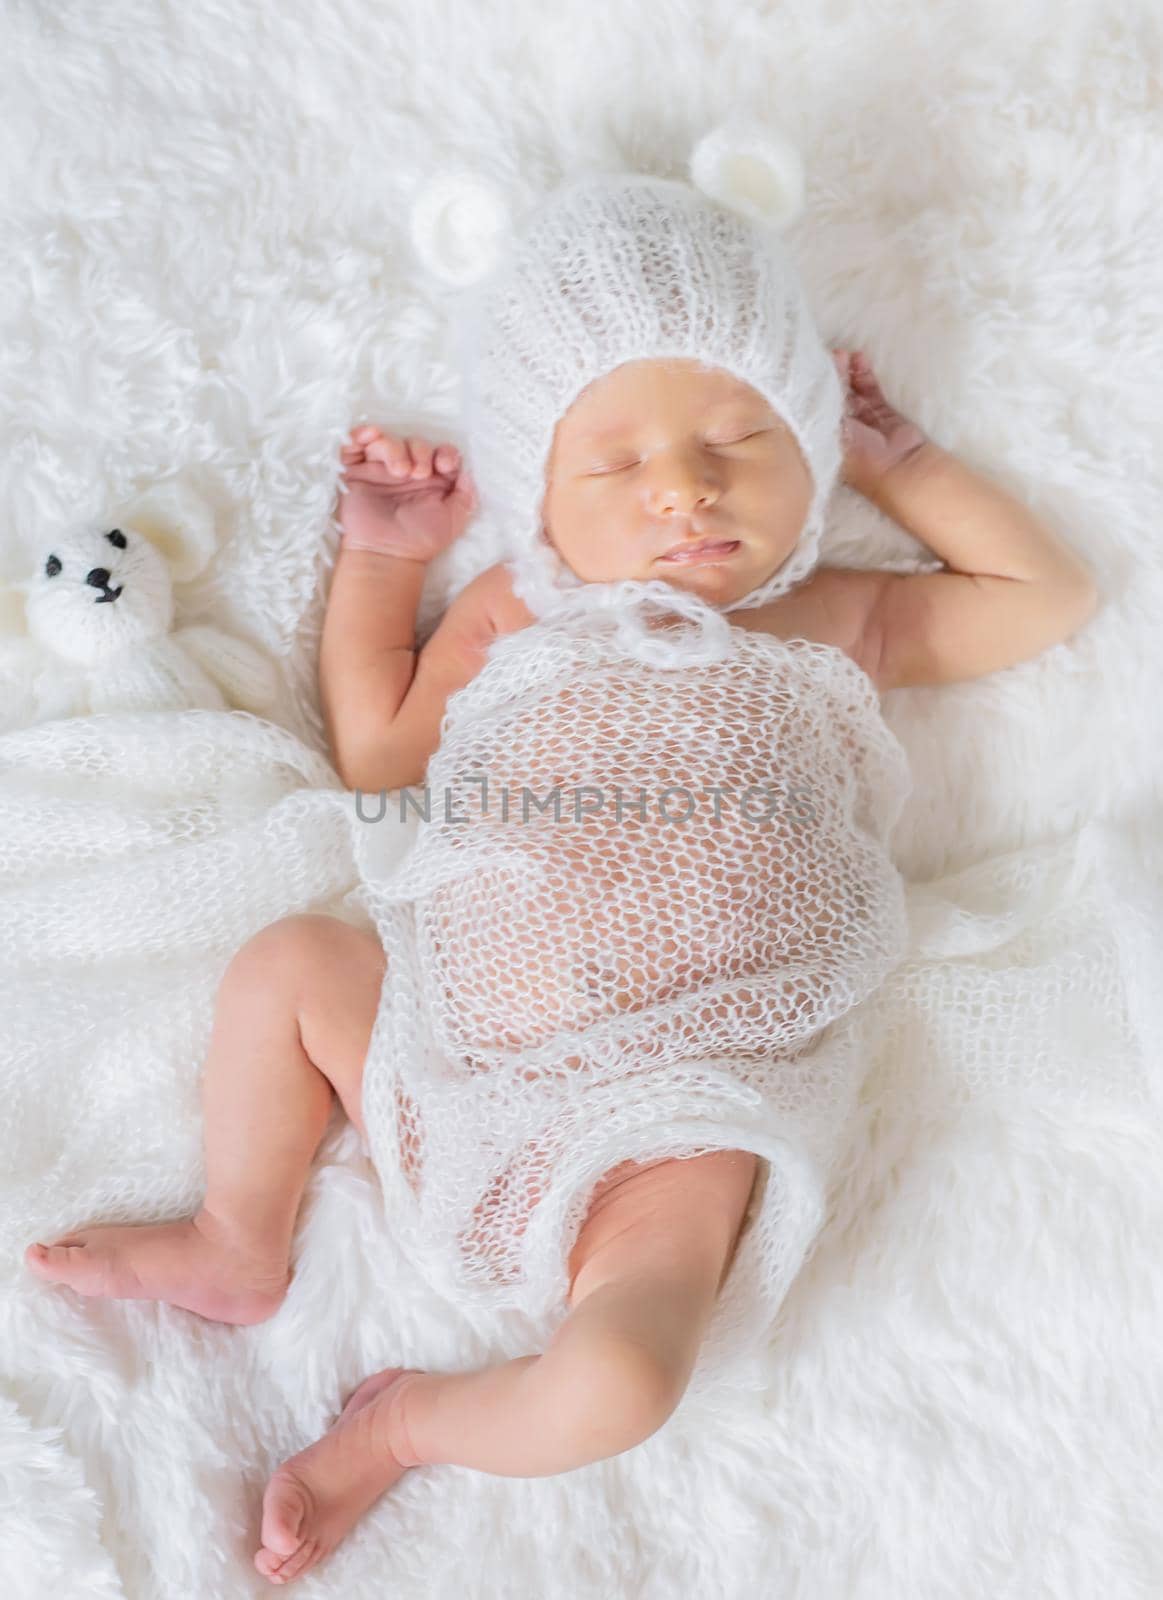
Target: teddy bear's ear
column 177, row 520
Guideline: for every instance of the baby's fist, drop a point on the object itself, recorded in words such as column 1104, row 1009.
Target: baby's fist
column 403, row 497
column 876, row 436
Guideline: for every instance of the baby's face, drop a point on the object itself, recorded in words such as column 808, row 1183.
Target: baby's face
column 659, row 458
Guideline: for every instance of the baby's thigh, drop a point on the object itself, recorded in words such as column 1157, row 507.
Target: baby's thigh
column 678, row 1217
column 331, row 975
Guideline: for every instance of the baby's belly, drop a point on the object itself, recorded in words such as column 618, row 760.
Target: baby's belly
column 714, row 932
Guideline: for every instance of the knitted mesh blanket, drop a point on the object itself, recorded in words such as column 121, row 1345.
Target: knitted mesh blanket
column 138, row 851
column 638, row 902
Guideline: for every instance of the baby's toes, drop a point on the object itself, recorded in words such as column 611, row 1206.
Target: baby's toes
column 284, row 1511
column 447, row 458
column 73, row 1264
column 306, row 1556
column 266, row 1563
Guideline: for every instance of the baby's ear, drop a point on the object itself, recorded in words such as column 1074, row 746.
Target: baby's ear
column 176, row 519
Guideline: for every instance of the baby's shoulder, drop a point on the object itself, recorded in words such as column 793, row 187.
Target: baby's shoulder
column 833, row 606
column 499, row 607
column 487, row 605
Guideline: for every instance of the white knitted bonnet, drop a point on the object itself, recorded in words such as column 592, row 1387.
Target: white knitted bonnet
column 613, row 268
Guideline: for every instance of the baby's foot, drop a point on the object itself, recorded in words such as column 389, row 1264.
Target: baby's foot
column 316, row 1497
column 197, row 1264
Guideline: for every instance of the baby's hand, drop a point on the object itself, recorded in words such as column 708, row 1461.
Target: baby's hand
column 404, row 497
column 876, row 436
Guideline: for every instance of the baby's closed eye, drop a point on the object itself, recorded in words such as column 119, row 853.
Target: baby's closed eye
column 738, row 438
column 602, row 468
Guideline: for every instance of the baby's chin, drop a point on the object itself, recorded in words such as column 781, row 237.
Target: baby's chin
column 717, row 584
column 720, row 582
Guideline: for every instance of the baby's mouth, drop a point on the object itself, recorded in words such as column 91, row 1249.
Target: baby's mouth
column 704, row 551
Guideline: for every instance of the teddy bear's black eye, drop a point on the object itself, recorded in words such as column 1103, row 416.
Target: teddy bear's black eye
column 118, row 538
column 51, row 567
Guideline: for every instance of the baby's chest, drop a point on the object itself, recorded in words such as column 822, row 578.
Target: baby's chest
column 618, row 760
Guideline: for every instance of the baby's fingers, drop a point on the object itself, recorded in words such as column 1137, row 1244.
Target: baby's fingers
column 853, row 365
column 392, row 452
column 421, row 458
column 464, row 491
column 861, row 373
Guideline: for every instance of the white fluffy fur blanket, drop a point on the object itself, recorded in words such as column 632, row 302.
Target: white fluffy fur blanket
column 204, row 275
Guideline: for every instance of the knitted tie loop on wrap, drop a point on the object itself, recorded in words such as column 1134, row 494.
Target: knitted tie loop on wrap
column 633, row 606
column 612, row 268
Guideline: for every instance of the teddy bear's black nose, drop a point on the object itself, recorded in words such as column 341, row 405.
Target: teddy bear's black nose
column 99, row 577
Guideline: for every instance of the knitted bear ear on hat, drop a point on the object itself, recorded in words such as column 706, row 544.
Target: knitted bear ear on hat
column 756, row 171
column 461, row 221
column 459, row 225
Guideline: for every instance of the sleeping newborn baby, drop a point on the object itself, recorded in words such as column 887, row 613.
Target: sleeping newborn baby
column 587, row 1045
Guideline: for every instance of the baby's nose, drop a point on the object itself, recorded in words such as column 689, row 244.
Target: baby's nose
column 679, row 493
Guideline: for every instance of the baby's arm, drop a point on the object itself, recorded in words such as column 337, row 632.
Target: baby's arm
column 482, row 611
column 1011, row 589
column 383, row 699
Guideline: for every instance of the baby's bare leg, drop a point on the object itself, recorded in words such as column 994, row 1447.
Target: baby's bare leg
column 648, row 1264
column 645, row 1272
column 293, row 1018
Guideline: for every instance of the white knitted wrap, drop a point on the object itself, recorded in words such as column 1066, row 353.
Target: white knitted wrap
column 621, row 268
column 638, row 923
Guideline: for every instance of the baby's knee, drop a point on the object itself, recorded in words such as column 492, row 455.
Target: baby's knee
column 303, row 945
column 617, row 1391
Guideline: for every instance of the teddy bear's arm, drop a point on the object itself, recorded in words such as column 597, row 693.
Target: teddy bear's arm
column 35, row 687
column 20, row 658
column 19, row 662
column 246, row 676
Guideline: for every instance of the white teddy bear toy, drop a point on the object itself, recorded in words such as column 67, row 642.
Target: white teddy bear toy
column 99, row 610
